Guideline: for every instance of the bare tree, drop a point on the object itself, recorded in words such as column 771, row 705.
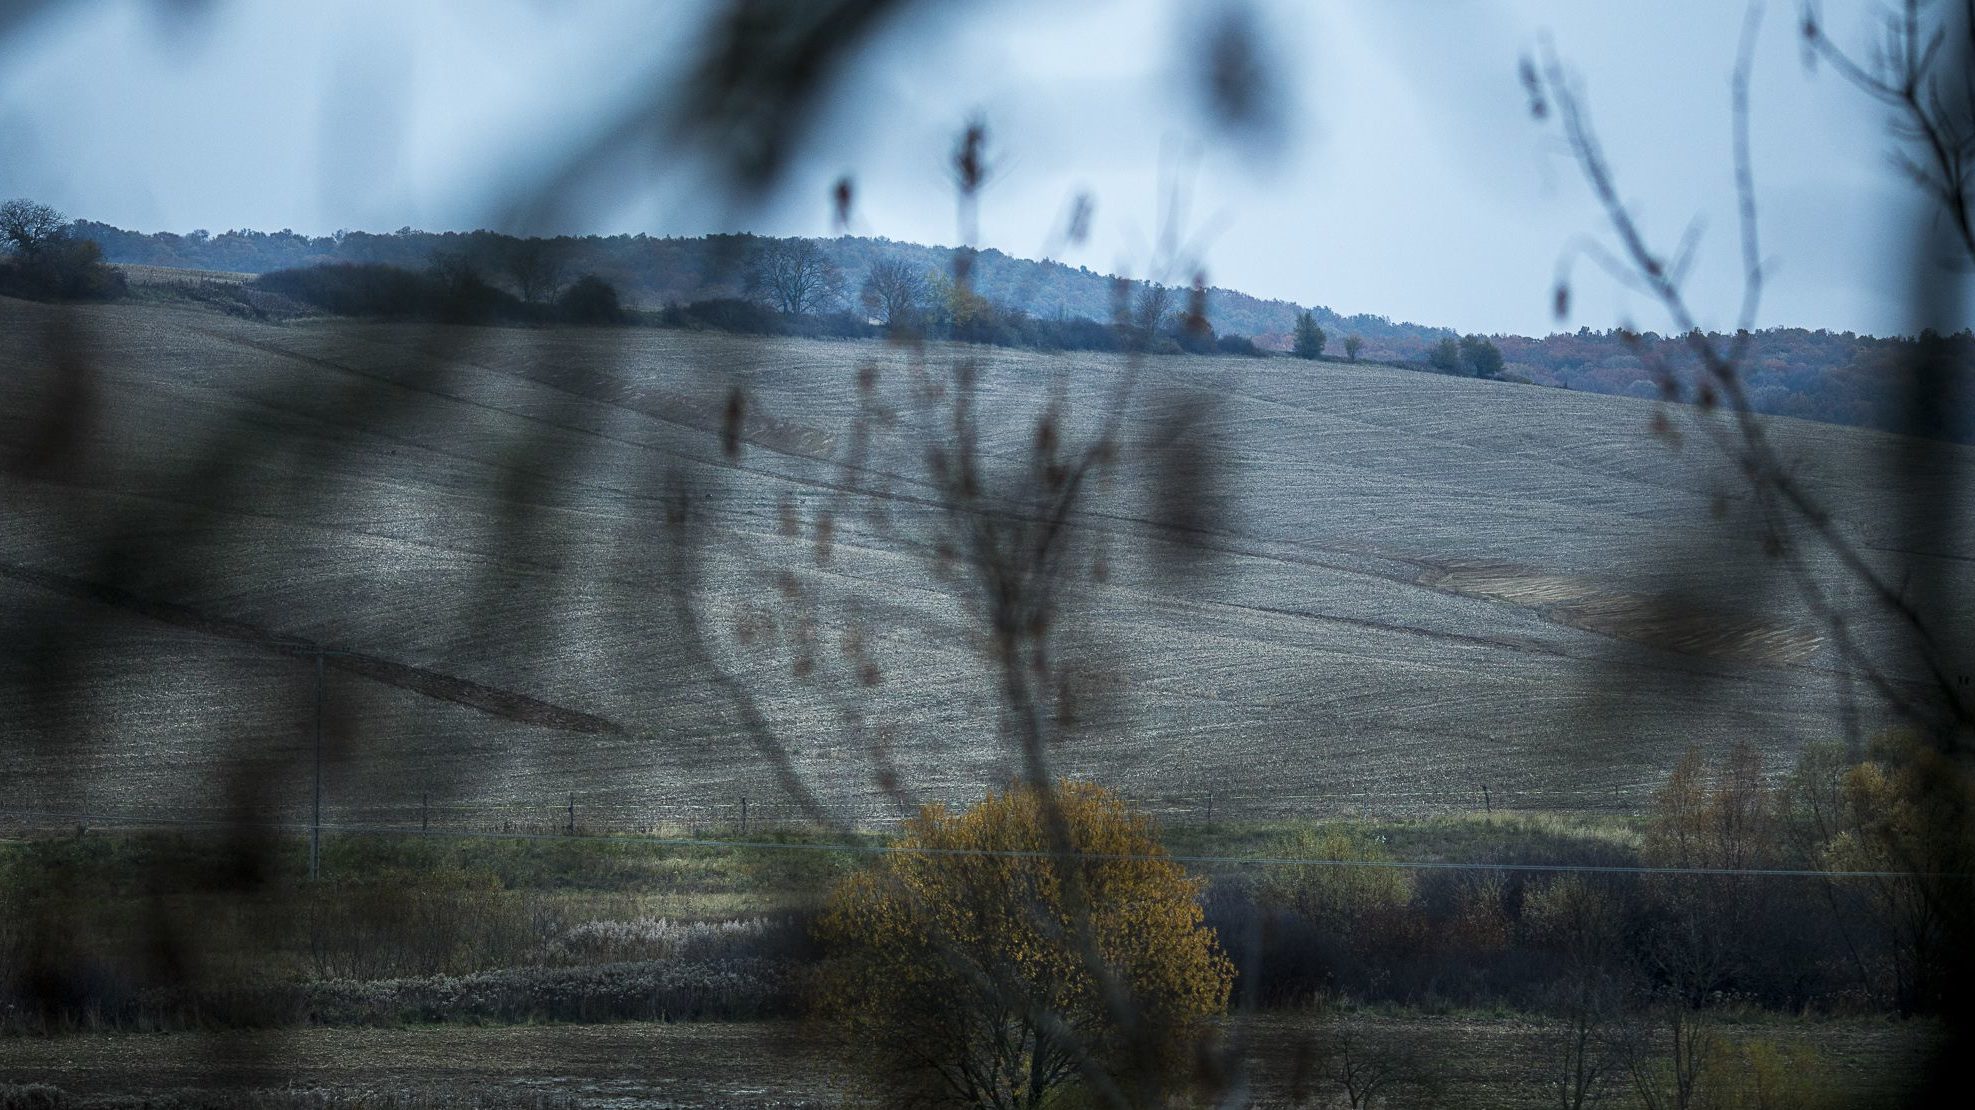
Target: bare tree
column 795, row 276
column 1579, row 925
column 1668, row 1047
column 28, row 226
column 1901, row 642
column 1369, row 1064
column 895, row 292
column 536, row 267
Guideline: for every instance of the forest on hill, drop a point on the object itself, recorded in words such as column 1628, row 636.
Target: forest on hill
column 1834, row 377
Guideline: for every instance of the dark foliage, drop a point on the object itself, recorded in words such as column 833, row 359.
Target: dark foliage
column 591, row 300
column 449, row 291
column 735, row 314
column 62, row 269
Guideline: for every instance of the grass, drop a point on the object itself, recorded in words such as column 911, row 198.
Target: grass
column 1478, row 1061
column 1503, row 836
column 626, row 875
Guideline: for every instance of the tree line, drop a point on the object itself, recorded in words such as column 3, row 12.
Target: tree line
column 1832, row 377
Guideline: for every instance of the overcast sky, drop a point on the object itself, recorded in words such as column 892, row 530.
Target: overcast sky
column 1412, row 182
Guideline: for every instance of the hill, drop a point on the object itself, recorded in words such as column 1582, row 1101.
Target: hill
column 1837, row 377
column 1417, row 585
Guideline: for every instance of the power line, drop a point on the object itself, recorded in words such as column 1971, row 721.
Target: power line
column 880, row 849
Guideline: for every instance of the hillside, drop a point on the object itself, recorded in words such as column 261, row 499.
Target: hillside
column 1840, row 378
column 1418, row 584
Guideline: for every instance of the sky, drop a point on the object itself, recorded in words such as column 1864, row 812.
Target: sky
column 1409, row 180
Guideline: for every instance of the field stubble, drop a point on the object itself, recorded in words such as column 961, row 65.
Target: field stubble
column 1420, row 585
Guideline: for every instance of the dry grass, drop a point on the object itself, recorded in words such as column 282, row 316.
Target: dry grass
column 1478, row 1061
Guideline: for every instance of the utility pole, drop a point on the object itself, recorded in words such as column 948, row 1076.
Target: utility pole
column 315, row 820
column 315, row 648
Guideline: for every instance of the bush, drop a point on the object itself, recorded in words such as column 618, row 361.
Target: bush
column 590, row 300
column 1238, row 345
column 982, row 890
column 63, row 269
column 726, row 314
column 393, row 292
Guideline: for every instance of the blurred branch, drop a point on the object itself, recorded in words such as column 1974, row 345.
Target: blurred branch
column 1781, row 498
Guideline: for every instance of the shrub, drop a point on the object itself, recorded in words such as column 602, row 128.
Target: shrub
column 1344, row 891
column 726, row 314
column 590, row 300
column 448, row 293
column 968, row 924
column 63, row 269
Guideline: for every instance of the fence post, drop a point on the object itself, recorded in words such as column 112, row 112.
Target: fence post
column 425, row 811
column 1486, row 801
column 572, row 814
column 744, row 815
column 1210, row 807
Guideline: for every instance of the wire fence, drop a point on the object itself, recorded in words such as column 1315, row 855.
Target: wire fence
column 878, row 846
column 741, row 813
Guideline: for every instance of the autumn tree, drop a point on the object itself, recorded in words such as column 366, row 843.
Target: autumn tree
column 1893, row 816
column 1352, row 345
column 976, row 966
column 1717, row 817
column 794, row 276
column 1309, row 337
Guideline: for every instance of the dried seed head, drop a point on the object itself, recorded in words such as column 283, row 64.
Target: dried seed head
column 1196, row 307
column 825, row 531
column 841, row 195
column 1081, row 209
column 1532, row 84
column 970, row 157
column 731, row 423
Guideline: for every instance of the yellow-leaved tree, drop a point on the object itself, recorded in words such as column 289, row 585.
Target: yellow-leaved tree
column 976, row 965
